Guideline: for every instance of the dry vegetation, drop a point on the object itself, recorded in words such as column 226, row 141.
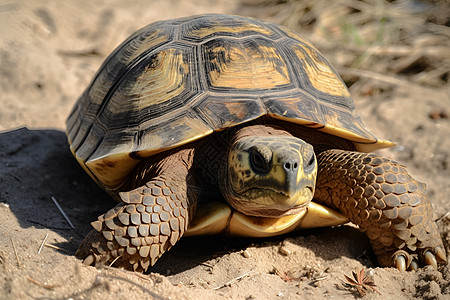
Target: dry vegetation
column 373, row 44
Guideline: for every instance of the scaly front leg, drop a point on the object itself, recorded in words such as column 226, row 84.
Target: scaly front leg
column 389, row 205
column 150, row 219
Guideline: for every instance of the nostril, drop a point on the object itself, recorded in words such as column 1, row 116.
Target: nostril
column 291, row 166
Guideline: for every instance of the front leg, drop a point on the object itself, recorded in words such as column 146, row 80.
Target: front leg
column 135, row 233
column 389, row 205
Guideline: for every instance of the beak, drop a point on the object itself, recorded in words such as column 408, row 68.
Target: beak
column 291, row 170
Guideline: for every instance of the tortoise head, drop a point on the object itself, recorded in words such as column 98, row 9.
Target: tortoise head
column 269, row 175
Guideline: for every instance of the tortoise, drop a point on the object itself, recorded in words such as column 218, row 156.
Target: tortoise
column 217, row 124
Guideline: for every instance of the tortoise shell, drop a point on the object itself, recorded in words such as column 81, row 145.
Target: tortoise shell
column 176, row 81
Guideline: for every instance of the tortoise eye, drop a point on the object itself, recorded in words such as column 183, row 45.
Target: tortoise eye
column 260, row 159
column 310, row 163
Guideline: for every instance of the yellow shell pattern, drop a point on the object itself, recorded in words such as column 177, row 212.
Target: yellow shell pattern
column 176, row 81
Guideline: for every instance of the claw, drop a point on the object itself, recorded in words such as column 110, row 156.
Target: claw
column 440, row 253
column 400, row 262
column 430, row 259
column 88, row 261
column 414, row 266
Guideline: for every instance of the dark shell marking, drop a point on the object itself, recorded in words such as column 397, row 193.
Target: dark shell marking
column 179, row 80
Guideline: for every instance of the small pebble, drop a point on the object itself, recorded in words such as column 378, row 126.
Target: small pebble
column 284, row 250
column 438, row 114
column 245, row 253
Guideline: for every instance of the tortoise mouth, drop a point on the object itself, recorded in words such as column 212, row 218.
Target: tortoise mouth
column 266, row 202
column 260, row 193
column 269, row 199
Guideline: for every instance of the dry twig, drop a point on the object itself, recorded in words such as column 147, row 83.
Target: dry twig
column 56, row 247
column 233, row 280
column 44, row 285
column 43, row 243
column 388, row 79
column 62, row 212
column 2, row 260
column 15, row 252
column 443, row 216
column 320, row 278
column 114, row 260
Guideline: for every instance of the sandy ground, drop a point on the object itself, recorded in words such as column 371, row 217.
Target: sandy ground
column 49, row 51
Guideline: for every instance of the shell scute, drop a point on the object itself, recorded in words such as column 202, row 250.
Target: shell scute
column 176, row 81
